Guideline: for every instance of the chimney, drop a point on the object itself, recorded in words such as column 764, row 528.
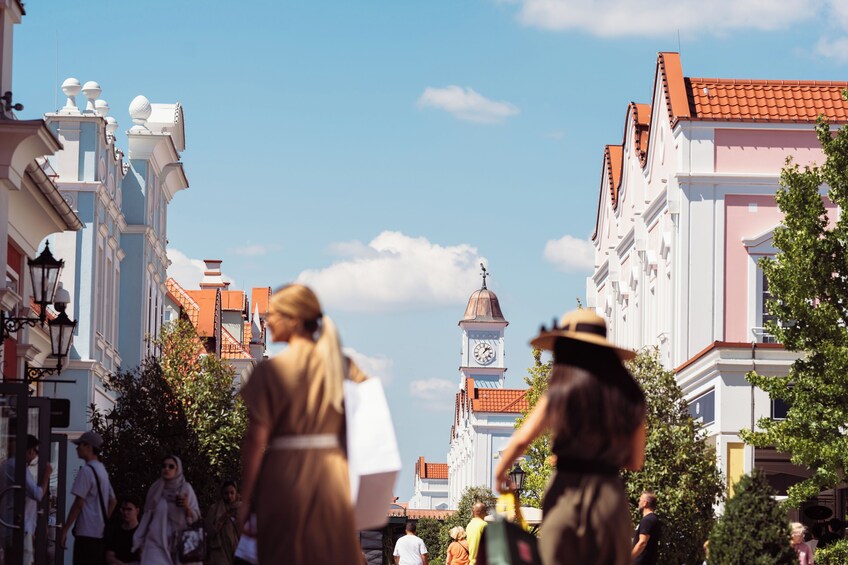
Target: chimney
column 212, row 275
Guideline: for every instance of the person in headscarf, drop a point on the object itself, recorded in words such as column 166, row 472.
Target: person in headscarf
column 294, row 466
column 221, row 526
column 169, row 508
column 596, row 412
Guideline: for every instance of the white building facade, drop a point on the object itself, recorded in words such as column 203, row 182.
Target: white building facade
column 686, row 209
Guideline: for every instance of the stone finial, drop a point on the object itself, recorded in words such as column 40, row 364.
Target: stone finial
column 111, row 126
column 101, row 107
column 70, row 88
column 140, row 110
column 91, row 90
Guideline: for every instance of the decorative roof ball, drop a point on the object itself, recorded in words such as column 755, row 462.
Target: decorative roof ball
column 71, row 87
column 91, row 90
column 111, row 125
column 101, row 107
column 140, row 109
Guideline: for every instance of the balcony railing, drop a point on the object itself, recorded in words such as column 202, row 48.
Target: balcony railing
column 761, row 335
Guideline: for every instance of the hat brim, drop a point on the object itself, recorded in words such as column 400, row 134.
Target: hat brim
column 76, row 441
column 546, row 340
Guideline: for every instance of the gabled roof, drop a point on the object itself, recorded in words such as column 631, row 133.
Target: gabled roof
column 426, row 470
column 501, row 400
column 180, row 296
column 231, row 348
column 207, row 302
column 724, row 100
column 767, row 100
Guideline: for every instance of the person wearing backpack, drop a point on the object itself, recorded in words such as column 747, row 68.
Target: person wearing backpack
column 93, row 504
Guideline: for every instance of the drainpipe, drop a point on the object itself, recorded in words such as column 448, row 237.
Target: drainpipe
column 753, row 421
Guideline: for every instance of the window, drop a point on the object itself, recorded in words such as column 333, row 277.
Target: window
column 765, row 296
column 702, row 408
column 779, row 409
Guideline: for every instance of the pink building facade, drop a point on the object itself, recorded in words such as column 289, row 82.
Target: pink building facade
column 686, row 209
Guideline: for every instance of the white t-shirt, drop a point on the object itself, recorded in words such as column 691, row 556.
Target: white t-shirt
column 410, row 549
column 91, row 520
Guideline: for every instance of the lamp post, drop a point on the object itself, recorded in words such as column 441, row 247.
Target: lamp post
column 517, row 476
column 44, row 273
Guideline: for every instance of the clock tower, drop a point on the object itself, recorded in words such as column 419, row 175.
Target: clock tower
column 482, row 326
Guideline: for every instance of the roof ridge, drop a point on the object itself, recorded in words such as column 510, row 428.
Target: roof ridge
column 771, row 82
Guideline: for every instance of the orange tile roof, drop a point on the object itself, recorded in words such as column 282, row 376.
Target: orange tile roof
column 231, row 348
column 767, row 100
column 613, row 162
column 426, row 470
column 642, row 120
column 181, row 297
column 207, row 302
column 233, row 300
column 505, row 401
column 261, row 297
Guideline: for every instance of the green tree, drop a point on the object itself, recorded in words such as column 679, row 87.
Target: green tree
column 834, row 554
column 753, row 529
column 808, row 282
column 205, row 387
column 537, row 460
column 429, row 530
column 182, row 404
column 680, row 466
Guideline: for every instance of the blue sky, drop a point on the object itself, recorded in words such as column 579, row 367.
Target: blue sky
column 380, row 150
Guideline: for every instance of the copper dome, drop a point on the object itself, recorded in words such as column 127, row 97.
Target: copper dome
column 483, row 306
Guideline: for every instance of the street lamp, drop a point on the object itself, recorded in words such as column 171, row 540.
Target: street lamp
column 517, row 475
column 44, row 273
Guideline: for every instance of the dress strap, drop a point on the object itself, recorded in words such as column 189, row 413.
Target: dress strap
column 313, row 441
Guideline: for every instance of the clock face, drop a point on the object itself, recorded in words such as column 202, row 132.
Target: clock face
column 484, row 353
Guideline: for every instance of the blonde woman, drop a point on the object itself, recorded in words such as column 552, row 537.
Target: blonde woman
column 802, row 550
column 458, row 548
column 294, row 469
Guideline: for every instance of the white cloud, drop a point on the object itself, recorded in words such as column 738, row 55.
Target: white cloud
column 570, row 255
column 186, row 271
column 378, row 367
column 396, row 272
column 466, row 104
column 437, row 395
column 833, row 48
column 615, row 18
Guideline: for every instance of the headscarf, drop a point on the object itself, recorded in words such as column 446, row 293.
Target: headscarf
column 160, row 512
column 168, row 488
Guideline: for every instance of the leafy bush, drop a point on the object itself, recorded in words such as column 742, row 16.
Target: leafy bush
column 836, row 554
column 428, row 530
column 753, row 529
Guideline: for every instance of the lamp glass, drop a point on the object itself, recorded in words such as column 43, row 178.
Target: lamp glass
column 517, row 475
column 61, row 334
column 44, row 273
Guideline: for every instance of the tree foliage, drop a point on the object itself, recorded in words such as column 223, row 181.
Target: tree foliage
column 834, row 554
column 182, row 404
column 680, row 466
column 808, row 282
column 537, row 462
column 753, row 529
column 429, row 530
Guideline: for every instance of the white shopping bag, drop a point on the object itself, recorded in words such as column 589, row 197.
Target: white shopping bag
column 372, row 452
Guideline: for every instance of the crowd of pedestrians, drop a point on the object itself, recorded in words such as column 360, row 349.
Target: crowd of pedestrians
column 295, row 480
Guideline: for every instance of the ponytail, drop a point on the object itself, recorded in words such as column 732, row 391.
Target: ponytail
column 329, row 349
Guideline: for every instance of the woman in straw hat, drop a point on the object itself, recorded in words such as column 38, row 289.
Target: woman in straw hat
column 295, row 476
column 596, row 412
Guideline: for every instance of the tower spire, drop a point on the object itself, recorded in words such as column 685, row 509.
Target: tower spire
column 485, row 273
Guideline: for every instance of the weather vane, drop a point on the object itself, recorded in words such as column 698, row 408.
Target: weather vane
column 485, row 274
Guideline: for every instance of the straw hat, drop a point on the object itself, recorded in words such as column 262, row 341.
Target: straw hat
column 579, row 325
